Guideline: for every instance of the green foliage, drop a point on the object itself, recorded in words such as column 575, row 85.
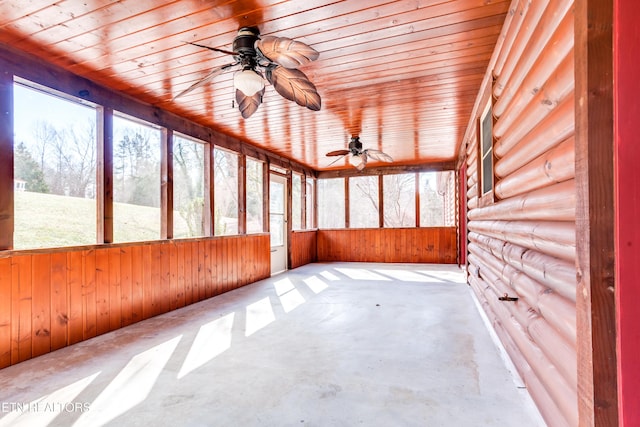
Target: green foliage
column 27, row 169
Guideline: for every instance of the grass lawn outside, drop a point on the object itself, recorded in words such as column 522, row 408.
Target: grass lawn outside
column 49, row 220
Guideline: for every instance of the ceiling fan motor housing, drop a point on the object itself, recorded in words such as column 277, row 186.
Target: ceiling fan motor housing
column 355, row 146
column 244, row 43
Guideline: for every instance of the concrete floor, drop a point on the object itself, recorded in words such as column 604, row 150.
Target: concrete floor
column 323, row 345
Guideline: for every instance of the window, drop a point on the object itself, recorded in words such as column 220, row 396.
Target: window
column 363, row 202
column 54, row 170
column 309, row 201
column 486, row 150
column 226, row 192
column 254, row 196
column 437, row 199
column 399, row 192
column 136, row 180
column 331, row 203
column 188, row 188
column 296, row 201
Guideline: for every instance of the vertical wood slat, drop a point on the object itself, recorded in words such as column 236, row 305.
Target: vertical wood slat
column 21, row 324
column 89, row 296
column 41, row 304
column 102, row 291
column 5, row 312
column 59, row 301
column 595, row 246
column 115, row 290
column 126, row 286
column 75, row 310
column 6, row 160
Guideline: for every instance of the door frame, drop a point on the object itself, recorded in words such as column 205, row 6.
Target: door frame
column 276, row 177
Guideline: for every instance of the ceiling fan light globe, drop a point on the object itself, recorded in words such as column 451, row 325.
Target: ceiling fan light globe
column 355, row 161
column 248, row 82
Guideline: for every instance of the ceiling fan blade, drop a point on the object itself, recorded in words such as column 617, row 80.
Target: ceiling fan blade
column 338, row 153
column 295, row 86
column 248, row 104
column 378, row 155
column 206, row 79
column 363, row 163
column 286, row 52
column 215, row 49
column 339, row 158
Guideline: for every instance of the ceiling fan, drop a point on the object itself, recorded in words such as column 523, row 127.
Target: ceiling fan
column 276, row 58
column 358, row 156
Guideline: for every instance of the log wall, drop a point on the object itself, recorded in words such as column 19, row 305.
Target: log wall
column 51, row 299
column 522, row 237
column 303, row 247
column 427, row 245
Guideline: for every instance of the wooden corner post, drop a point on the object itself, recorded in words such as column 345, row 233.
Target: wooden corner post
column 595, row 310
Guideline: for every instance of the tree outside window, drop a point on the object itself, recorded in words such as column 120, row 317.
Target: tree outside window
column 188, row 187
column 363, row 202
column 226, row 192
column 399, row 193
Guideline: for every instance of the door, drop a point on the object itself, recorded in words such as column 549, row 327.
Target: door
column 278, row 223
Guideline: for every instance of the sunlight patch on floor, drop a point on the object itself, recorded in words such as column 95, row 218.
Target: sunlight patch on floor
column 316, row 284
column 131, row 386
column 259, row 315
column 361, row 274
column 213, row 339
column 44, row 410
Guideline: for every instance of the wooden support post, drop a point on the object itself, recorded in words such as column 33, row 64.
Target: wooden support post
column 417, row 187
column 104, row 175
column 595, row 305
column 347, row 209
column 380, row 201
column 288, row 219
column 242, row 194
column 266, row 181
column 209, row 193
column 6, row 160
column 303, row 190
column 166, row 184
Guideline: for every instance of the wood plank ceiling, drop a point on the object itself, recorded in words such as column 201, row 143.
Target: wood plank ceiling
column 403, row 75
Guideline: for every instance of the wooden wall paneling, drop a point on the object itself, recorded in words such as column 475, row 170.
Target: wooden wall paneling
column 155, row 284
column 75, row 283
column 6, row 160
column 126, row 286
column 89, row 295
column 595, row 219
column 115, row 290
column 202, row 273
column 137, row 283
column 184, row 271
column 181, row 275
column 216, row 267
column 174, row 293
column 59, row 301
column 21, row 309
column 192, row 253
column 102, row 291
column 40, row 304
column 147, row 282
column 5, row 312
column 165, row 278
